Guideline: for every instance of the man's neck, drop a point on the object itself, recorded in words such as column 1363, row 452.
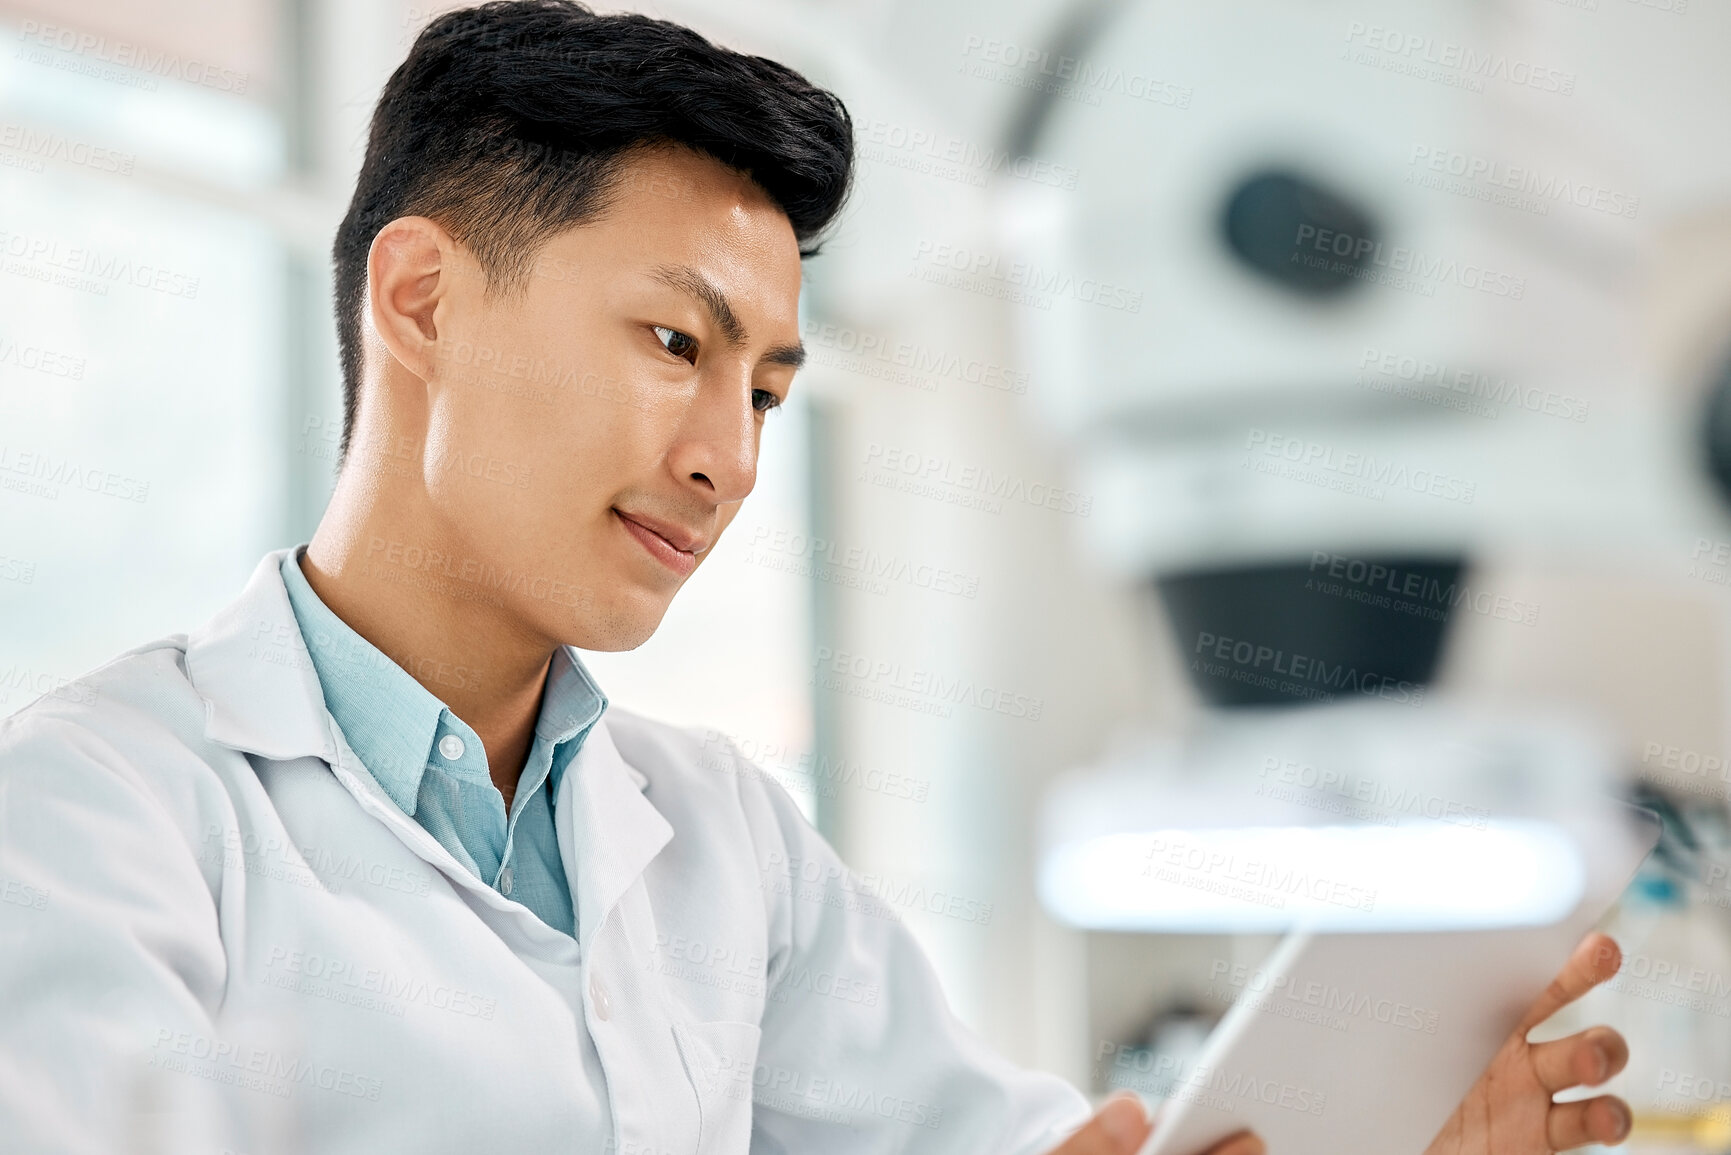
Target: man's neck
column 381, row 581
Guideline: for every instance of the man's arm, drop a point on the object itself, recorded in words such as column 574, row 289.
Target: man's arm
column 860, row 1051
column 110, row 958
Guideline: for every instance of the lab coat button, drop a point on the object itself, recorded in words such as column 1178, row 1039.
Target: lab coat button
column 598, row 997
column 505, row 882
column 451, row 746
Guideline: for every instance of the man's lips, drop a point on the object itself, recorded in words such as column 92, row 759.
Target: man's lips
column 674, row 546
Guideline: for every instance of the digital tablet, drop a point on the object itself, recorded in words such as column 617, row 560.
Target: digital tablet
column 1368, row 1042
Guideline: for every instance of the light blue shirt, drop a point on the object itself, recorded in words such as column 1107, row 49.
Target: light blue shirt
column 432, row 765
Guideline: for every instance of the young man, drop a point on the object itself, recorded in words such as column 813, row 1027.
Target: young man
column 367, row 862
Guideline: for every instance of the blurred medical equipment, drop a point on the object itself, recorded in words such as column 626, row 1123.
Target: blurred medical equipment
column 1356, row 315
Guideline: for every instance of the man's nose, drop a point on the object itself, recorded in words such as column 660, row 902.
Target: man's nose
column 718, row 447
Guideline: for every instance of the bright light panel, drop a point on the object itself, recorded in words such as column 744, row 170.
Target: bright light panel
column 1424, row 876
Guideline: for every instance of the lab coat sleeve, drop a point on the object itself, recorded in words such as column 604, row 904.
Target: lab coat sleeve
column 860, row 1051
column 111, row 965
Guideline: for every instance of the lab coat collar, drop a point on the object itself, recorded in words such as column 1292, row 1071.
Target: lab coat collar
column 249, row 663
column 262, row 696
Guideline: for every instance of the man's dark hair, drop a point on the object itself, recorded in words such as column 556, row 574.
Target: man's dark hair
column 511, row 121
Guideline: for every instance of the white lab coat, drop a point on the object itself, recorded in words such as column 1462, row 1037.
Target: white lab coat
column 215, row 929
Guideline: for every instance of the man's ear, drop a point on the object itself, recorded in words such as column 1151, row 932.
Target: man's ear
column 410, row 272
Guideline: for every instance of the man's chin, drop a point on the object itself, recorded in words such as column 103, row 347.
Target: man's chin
column 612, row 628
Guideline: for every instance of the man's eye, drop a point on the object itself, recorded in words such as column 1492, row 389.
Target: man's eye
column 763, row 400
column 677, row 343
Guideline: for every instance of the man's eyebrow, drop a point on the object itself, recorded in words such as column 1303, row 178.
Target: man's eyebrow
column 688, row 280
column 793, row 356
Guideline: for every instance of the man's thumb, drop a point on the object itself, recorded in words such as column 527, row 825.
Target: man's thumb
column 1124, row 1122
column 1119, row 1127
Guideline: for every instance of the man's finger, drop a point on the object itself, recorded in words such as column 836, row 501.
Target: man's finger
column 1602, row 1120
column 1583, row 1060
column 1243, row 1143
column 1595, row 960
column 1119, row 1127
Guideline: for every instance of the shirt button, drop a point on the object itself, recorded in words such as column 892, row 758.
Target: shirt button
column 598, row 996
column 505, row 882
column 451, row 747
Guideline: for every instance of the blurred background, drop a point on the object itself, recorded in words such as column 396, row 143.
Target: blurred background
column 1316, row 406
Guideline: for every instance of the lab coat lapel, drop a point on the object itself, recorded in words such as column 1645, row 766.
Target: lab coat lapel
column 611, row 831
column 250, row 665
column 262, row 696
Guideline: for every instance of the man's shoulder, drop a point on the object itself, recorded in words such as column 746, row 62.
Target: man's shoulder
column 693, row 762
column 662, row 752
column 142, row 692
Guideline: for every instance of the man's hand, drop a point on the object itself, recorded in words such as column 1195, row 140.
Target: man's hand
column 1509, row 1110
column 1120, row 1128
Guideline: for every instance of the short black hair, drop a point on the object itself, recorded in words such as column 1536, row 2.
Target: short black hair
column 509, row 122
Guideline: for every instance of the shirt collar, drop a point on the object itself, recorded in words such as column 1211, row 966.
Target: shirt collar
column 393, row 722
column 571, row 704
column 261, row 697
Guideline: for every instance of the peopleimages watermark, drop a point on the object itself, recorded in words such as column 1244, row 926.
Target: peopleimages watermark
column 39, row 473
column 806, row 772
column 1446, row 61
column 857, row 567
column 34, row 146
column 254, row 1068
column 309, row 865
column 23, row 894
column 515, row 374
column 1294, row 675
column 904, row 362
column 929, row 152
column 1696, row 1096
column 732, row 968
column 368, row 988
column 1019, row 282
column 828, row 1098
column 1177, row 1079
column 1674, row 984
column 1439, row 383
column 1687, row 771
column 971, row 486
column 1384, row 585
column 47, row 259
column 412, row 457
column 41, row 359
column 1347, row 471
column 285, row 644
column 1397, row 266
column 1523, row 187
column 1182, row 861
column 42, row 684
column 465, row 578
column 87, row 53
column 1708, row 561
column 1066, row 77
column 1361, row 797
column 913, row 688
column 1312, row 994
column 722, row 967
column 828, row 883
